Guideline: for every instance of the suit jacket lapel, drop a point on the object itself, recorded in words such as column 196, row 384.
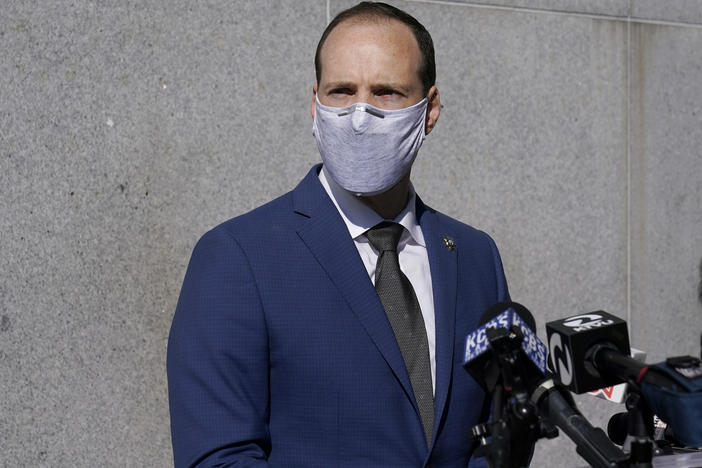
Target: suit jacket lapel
column 326, row 236
column 443, row 265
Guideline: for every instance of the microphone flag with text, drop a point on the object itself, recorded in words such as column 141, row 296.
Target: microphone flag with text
column 478, row 358
column 591, row 351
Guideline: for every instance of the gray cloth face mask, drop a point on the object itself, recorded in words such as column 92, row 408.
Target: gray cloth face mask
column 367, row 150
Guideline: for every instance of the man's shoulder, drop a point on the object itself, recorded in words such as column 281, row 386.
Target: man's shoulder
column 257, row 223
column 261, row 232
column 273, row 218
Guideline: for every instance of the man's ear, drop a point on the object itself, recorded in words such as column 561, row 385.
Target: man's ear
column 314, row 97
column 433, row 109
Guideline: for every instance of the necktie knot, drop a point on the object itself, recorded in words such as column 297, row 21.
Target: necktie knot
column 385, row 236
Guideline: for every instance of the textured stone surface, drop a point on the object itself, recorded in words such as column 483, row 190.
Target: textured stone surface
column 599, row 7
column 666, row 210
column 685, row 11
column 127, row 129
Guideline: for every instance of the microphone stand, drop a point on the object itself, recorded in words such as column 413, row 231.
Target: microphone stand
column 640, row 429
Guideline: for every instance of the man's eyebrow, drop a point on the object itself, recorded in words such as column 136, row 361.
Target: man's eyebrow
column 375, row 87
column 390, row 85
column 339, row 84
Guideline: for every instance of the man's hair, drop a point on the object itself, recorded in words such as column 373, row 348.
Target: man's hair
column 374, row 11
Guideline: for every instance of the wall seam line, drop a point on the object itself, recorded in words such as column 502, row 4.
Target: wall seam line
column 628, row 175
column 628, row 18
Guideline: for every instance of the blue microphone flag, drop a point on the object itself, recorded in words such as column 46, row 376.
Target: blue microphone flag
column 477, row 343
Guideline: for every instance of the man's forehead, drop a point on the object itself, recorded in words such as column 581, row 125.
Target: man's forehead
column 384, row 30
column 375, row 39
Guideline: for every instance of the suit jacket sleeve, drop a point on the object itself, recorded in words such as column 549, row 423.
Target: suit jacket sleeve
column 218, row 361
column 501, row 282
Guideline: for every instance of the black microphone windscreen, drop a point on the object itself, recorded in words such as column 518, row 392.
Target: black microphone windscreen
column 617, row 428
column 496, row 309
column 573, row 343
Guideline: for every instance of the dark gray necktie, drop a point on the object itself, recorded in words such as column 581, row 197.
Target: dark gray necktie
column 402, row 308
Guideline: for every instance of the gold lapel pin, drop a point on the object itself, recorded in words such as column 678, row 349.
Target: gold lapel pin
column 449, row 243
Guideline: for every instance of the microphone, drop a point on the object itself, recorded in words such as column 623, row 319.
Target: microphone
column 556, row 403
column 591, row 351
column 489, row 358
column 618, row 393
column 479, row 359
column 675, row 395
column 504, row 350
column 618, row 428
column 570, row 339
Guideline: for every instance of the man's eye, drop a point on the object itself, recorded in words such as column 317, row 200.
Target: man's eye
column 387, row 92
column 346, row 91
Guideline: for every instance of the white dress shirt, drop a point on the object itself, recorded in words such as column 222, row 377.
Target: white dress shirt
column 412, row 250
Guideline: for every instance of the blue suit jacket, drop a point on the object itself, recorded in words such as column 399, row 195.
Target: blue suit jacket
column 280, row 353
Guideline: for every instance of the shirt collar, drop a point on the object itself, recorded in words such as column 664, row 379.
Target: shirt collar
column 359, row 218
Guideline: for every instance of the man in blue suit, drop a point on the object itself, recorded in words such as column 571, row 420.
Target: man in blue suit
column 285, row 350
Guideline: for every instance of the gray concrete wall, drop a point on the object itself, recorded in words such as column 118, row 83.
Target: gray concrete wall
column 571, row 132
